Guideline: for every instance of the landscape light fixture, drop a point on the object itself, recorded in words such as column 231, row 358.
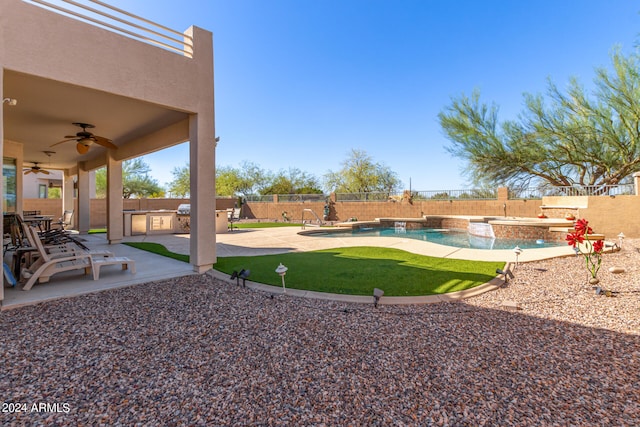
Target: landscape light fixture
column 235, row 275
column 621, row 237
column 11, row 101
column 506, row 273
column 243, row 274
column 377, row 294
column 517, row 251
column 282, row 270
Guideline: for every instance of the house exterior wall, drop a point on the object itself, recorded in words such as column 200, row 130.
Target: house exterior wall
column 31, row 182
column 117, row 62
column 38, row 42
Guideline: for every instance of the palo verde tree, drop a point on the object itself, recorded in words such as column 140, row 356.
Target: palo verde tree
column 565, row 139
column 359, row 174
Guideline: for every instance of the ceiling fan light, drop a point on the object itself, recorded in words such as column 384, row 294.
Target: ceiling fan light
column 85, row 141
column 82, row 148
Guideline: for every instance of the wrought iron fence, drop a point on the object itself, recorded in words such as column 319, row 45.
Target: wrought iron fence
column 268, row 198
column 365, row 197
column 469, row 194
column 302, row 197
column 472, row 194
column 588, row 190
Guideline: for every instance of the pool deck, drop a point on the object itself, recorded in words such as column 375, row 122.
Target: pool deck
column 263, row 241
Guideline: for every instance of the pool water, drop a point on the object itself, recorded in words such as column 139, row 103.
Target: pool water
column 449, row 237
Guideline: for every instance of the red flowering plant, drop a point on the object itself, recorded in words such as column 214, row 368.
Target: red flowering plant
column 592, row 248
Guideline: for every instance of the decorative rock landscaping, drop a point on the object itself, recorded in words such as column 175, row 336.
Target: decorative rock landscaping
column 195, row 351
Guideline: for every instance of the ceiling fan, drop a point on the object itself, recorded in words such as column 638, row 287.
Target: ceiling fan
column 84, row 139
column 35, row 169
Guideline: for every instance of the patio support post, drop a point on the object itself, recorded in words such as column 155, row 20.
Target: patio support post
column 2, row 152
column 68, row 197
column 84, row 202
column 114, row 199
column 203, row 197
column 202, row 157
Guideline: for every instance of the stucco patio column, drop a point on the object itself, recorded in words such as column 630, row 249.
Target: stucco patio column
column 84, row 201
column 2, row 150
column 114, row 199
column 202, row 156
column 203, row 195
column 68, row 197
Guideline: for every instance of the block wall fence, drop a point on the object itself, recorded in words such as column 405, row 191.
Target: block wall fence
column 609, row 215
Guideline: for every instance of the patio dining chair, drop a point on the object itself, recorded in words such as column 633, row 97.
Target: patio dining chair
column 66, row 220
column 233, row 215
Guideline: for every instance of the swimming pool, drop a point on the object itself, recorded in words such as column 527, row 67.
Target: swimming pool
column 448, row 237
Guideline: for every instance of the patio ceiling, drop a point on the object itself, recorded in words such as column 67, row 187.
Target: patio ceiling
column 46, row 110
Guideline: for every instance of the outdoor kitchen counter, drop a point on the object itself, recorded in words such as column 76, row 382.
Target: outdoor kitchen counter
column 165, row 221
column 160, row 221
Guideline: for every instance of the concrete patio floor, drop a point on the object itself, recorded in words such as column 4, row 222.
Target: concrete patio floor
column 150, row 267
column 242, row 242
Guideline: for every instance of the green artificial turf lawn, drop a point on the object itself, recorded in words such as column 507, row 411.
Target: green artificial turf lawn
column 358, row 270
column 159, row 249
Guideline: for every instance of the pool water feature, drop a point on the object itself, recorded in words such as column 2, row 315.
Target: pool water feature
column 448, row 237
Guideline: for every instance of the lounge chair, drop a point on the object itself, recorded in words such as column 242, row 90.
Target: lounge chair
column 66, row 258
column 72, row 245
column 48, row 265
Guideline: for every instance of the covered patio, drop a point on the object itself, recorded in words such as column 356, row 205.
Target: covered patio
column 150, row 268
column 112, row 90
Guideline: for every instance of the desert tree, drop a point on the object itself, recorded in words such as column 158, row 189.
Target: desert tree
column 566, row 138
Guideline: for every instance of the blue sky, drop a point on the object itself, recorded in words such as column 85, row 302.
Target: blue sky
column 299, row 83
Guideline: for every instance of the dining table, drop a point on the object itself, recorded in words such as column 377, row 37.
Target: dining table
column 43, row 222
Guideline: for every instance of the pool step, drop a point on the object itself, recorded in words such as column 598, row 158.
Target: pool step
column 561, row 229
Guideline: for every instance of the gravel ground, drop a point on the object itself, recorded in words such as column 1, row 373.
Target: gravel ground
column 195, row 351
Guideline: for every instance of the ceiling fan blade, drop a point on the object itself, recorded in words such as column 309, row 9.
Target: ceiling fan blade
column 71, row 136
column 44, row 171
column 105, row 142
column 65, row 140
column 28, row 171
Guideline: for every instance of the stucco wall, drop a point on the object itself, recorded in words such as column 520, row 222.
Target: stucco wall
column 612, row 215
column 366, row 211
column 99, row 207
column 607, row 215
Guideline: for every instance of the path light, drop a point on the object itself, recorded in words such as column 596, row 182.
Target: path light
column 517, row 251
column 621, row 237
column 244, row 274
column 377, row 293
column 282, row 270
column 506, row 273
